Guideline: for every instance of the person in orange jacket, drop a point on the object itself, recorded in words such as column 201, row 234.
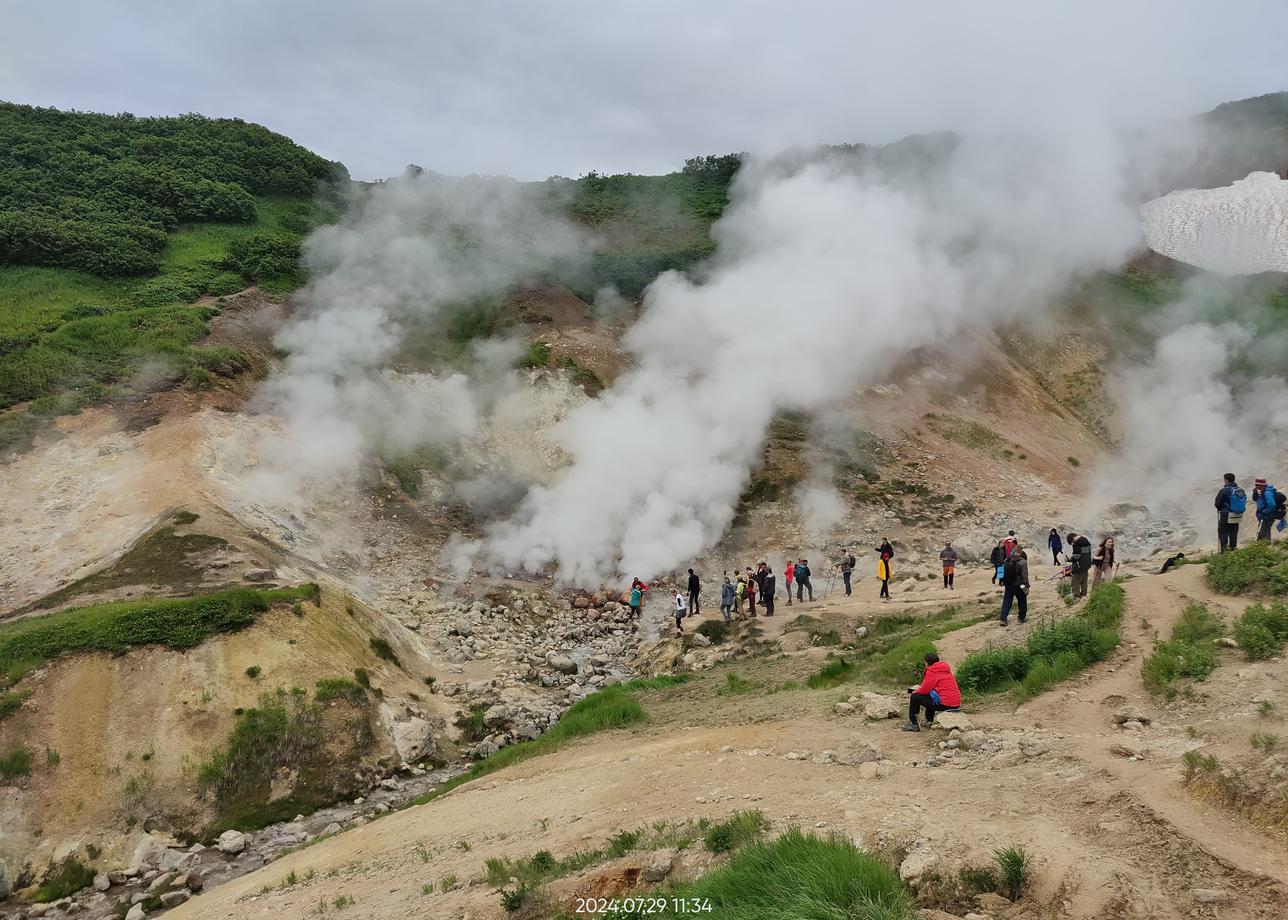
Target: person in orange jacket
column 938, row 691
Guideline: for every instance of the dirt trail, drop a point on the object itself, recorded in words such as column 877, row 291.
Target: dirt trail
column 1113, row 838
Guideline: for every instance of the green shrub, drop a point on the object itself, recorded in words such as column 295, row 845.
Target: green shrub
column 1262, row 631
column 537, row 355
column 254, row 671
column 1015, row 867
column 1105, row 606
column 1197, row 625
column 993, row 669
column 384, row 650
column 1173, row 660
column 16, row 762
column 834, row 673
column 264, row 256
column 715, row 630
column 740, row 829
column 735, row 685
column 795, row 876
column 11, row 702
column 904, row 663
column 67, row 878
column 622, row 843
column 1259, row 566
column 339, row 688
column 1046, row 672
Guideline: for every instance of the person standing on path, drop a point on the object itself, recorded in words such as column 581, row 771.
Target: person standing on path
column 883, row 576
column 1266, row 498
column 767, row 590
column 681, row 608
column 802, row 580
column 1057, row 546
column 996, row 558
column 740, row 593
column 1015, row 582
column 1231, row 502
column 1080, row 563
column 789, row 576
column 695, row 587
column 846, row 565
column 1009, row 544
column 751, row 593
column 948, row 556
column 1103, row 560
column 727, row 599
column 637, row 597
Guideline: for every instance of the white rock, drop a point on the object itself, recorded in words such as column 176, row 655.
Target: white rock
column 917, row 863
column 231, row 842
column 174, row 898
column 659, row 865
column 1209, row 895
column 844, row 709
column 136, row 913
column 102, row 882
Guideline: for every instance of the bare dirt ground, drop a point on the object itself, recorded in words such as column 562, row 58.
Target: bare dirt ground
column 1113, row 837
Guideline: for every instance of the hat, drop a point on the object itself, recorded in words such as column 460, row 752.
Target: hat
column 1258, row 482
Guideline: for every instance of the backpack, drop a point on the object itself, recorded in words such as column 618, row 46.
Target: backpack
column 1011, row 571
column 1238, row 501
column 1082, row 559
column 1281, row 505
column 850, row 560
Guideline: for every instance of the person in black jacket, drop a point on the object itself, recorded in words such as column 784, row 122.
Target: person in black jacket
column 768, row 588
column 1080, row 557
column 997, row 557
column 695, row 586
column 1227, row 522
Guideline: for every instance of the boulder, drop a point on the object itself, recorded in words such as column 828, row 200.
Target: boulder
column 973, row 739
column 161, row 881
column 136, row 913
column 1130, row 715
column 1033, row 747
column 102, row 882
column 659, row 865
column 173, row 859
column 876, row 706
column 699, row 639
column 231, row 842
column 411, row 736
column 917, row 864
column 175, row 898
column 993, row 903
column 561, row 663
column 844, row 709
column 581, row 602
column 951, row 720
column 259, row 575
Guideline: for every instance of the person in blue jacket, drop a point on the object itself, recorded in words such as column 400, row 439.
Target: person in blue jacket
column 1267, row 500
column 1057, row 546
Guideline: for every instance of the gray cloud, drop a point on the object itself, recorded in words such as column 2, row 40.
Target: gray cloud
column 533, row 89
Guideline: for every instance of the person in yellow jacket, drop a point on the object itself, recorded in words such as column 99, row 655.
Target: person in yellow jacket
column 883, row 575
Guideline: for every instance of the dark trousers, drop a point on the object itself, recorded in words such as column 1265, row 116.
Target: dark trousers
column 948, row 579
column 1055, row 557
column 885, row 587
column 767, row 601
column 803, row 585
column 1263, row 529
column 922, row 701
column 845, row 577
column 1227, row 535
column 1012, row 595
column 694, row 606
column 1078, row 584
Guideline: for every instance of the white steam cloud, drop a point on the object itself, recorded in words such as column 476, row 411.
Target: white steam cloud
column 830, row 270
column 407, row 251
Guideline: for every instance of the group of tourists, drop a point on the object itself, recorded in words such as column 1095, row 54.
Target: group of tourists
column 1270, row 505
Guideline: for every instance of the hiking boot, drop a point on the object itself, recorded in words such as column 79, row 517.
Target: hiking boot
column 1001, row 623
column 912, row 727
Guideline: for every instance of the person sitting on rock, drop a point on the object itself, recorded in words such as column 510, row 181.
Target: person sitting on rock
column 938, row 692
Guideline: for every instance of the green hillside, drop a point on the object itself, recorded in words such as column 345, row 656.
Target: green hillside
column 112, row 226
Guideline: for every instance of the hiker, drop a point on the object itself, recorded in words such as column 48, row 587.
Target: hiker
column 789, row 576
column 1230, row 503
column 1057, row 546
column 1015, row 584
column 846, row 565
column 1171, row 561
column 751, row 592
column 637, row 597
column 740, row 592
column 1270, row 507
column 695, row 586
column 883, row 576
column 996, row 558
column 802, row 580
column 1103, row 563
column 937, row 692
column 1080, row 553
column 948, row 556
column 886, row 547
column 727, row 599
column 1009, row 544
column 681, row 608
column 767, row 588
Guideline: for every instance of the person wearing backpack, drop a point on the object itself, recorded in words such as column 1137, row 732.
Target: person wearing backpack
column 1080, row 563
column 996, row 558
column 727, row 599
column 1266, row 498
column 1015, row 584
column 846, row 565
column 1057, row 546
column 802, row 580
column 1231, row 502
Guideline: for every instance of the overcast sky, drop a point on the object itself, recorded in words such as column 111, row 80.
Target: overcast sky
column 533, row 88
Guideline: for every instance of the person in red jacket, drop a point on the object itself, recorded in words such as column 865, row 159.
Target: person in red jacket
column 938, row 691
